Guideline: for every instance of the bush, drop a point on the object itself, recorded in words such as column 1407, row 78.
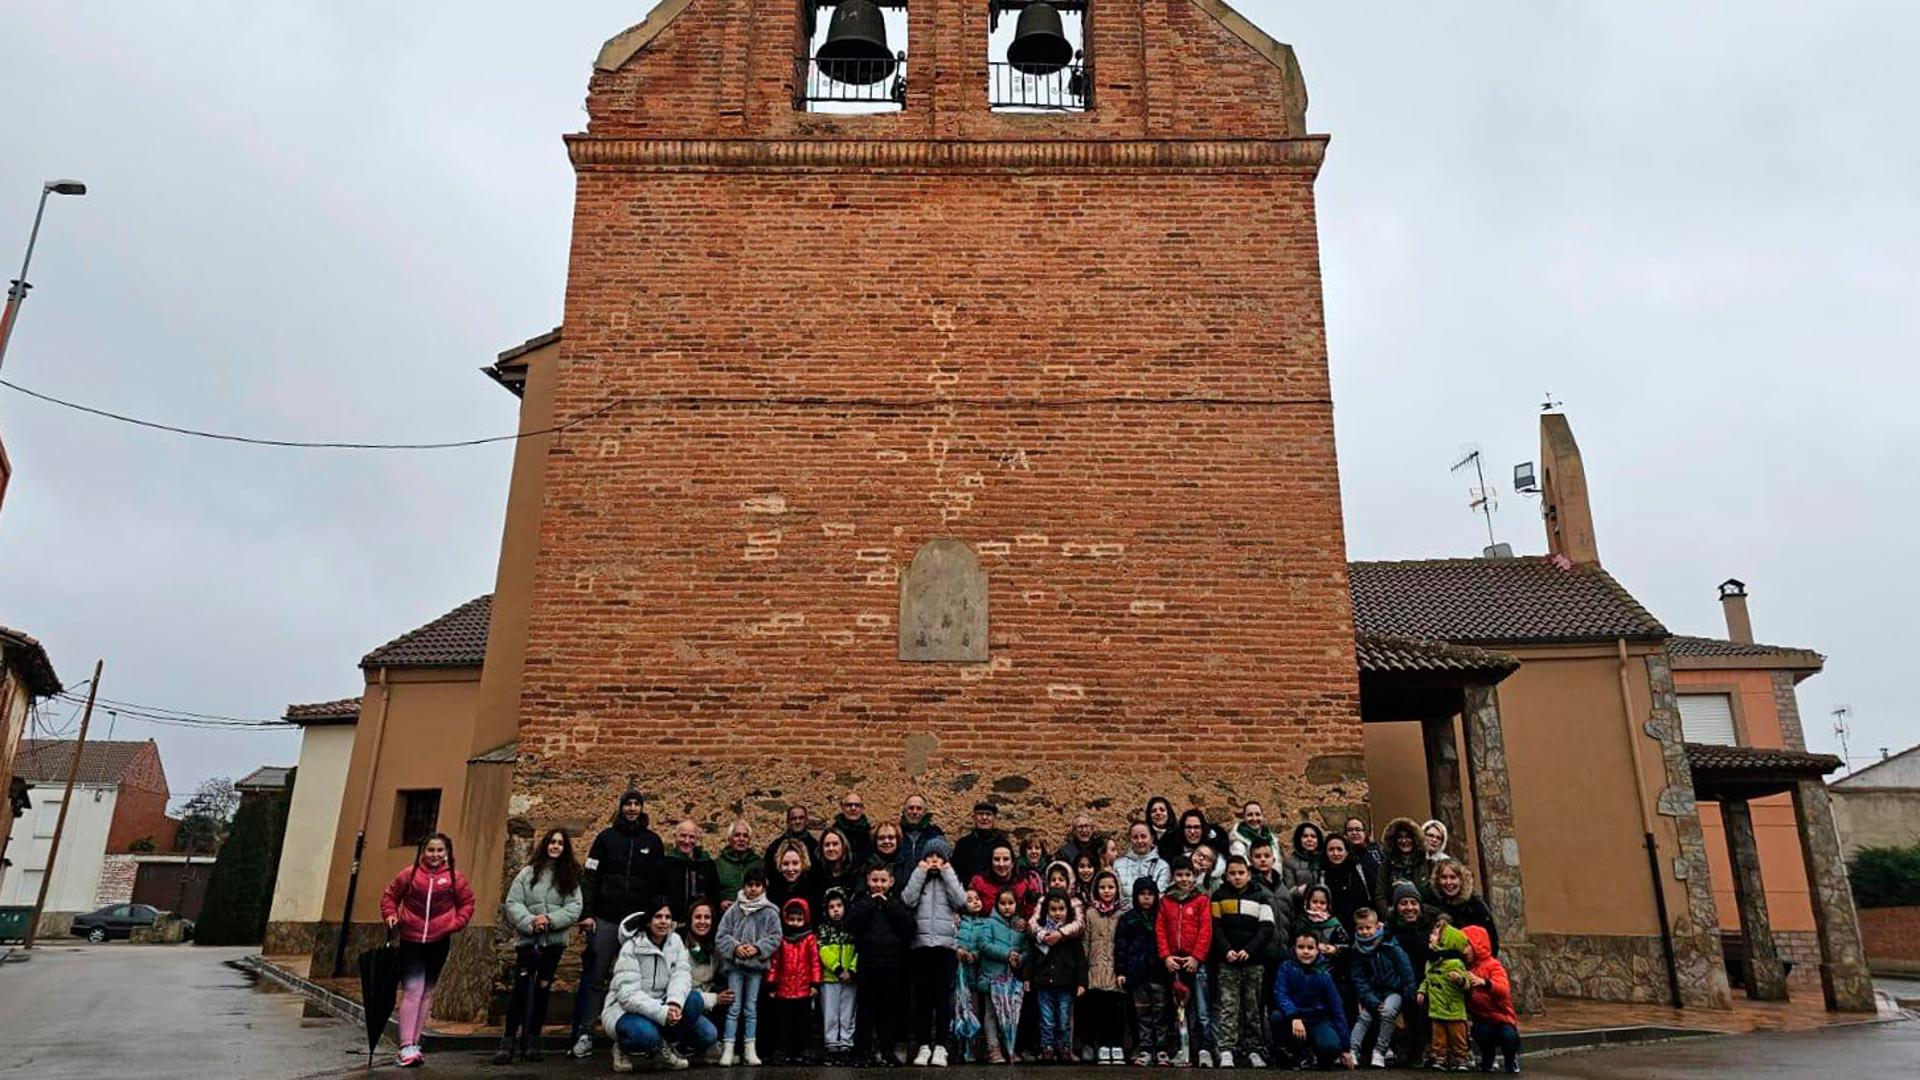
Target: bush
column 1886, row 876
column 240, row 889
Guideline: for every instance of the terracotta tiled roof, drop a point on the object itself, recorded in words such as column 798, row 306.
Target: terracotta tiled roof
column 345, row 710
column 46, row 761
column 1384, row 655
column 1702, row 647
column 1710, row 758
column 23, row 654
column 456, row 639
column 1516, row 601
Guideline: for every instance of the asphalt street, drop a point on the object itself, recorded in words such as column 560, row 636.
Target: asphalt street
column 185, row 1011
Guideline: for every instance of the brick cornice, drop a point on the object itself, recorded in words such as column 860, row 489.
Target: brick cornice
column 1150, row 155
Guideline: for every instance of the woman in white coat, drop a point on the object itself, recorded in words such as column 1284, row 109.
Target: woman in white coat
column 651, row 1010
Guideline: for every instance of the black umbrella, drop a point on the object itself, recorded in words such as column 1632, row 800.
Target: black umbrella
column 379, row 988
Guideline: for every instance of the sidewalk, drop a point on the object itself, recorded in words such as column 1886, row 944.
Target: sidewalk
column 1566, row 1024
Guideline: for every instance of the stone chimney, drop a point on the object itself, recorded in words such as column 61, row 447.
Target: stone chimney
column 1563, row 489
column 1733, row 601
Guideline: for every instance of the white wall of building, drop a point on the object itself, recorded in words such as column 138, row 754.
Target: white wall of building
column 318, row 788
column 83, row 850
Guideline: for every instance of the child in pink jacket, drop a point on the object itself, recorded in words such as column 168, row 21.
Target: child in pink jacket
column 424, row 905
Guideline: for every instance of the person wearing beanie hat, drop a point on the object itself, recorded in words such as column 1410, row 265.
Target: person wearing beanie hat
column 1443, row 993
column 618, row 880
column 934, row 893
column 973, row 854
column 1410, row 923
column 1139, row 971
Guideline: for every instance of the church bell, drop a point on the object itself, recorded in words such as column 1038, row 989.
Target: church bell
column 1040, row 45
column 855, row 51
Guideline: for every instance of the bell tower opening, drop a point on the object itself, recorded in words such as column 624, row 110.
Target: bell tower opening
column 854, row 57
column 1037, row 59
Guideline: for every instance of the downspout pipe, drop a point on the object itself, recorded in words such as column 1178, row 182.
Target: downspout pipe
column 360, row 836
column 1646, row 832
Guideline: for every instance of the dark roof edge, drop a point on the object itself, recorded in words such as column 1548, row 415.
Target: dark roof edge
column 36, row 669
column 1846, row 782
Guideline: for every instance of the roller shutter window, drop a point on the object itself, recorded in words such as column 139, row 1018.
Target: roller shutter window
column 1708, row 718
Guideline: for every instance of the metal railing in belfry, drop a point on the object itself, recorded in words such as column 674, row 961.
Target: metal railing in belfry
column 1068, row 90
column 870, row 82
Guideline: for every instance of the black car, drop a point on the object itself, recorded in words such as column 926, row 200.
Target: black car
column 117, row 921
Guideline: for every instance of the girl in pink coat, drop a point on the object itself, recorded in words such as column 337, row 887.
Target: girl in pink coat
column 424, row 905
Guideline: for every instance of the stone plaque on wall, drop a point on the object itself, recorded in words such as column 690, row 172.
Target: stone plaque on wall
column 943, row 605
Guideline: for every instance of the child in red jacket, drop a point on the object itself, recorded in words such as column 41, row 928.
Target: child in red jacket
column 1183, row 928
column 424, row 906
column 1490, row 1004
column 795, row 976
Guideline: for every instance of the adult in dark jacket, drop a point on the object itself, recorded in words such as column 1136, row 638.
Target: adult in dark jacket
column 1300, row 865
column 917, row 830
column 1401, row 859
column 618, row 881
column 791, row 874
column 973, row 853
column 686, row 872
column 1361, row 846
column 839, row 868
column 1451, row 887
column 1080, row 841
column 1160, row 817
column 857, row 827
column 1346, row 881
column 798, row 823
column 1193, row 831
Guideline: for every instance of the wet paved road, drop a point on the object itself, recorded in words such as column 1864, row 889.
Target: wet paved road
column 161, row 1012
column 153, row 1012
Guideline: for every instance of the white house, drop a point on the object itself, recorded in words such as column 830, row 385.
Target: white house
column 119, row 801
column 306, row 850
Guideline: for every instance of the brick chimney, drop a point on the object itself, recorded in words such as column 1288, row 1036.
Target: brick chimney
column 1563, row 487
column 1733, row 602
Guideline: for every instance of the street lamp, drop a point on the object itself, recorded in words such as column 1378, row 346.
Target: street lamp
column 17, row 291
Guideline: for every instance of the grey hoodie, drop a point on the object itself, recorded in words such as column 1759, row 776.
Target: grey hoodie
column 936, row 905
column 748, row 922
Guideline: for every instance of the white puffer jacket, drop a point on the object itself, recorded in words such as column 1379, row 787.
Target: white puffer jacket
column 646, row 977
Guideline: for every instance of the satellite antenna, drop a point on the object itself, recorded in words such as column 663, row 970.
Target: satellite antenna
column 1841, row 729
column 1481, row 499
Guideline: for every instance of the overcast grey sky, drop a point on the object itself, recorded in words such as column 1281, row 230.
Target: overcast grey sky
column 1694, row 223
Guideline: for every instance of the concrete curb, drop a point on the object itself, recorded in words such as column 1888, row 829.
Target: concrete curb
column 333, row 1004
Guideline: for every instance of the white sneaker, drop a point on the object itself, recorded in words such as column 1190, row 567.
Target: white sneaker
column 621, row 1062
column 1180, row 1058
column 1379, row 1060
column 726, row 1056
column 925, row 1055
column 1205, row 1059
column 1106, row 1055
column 749, row 1055
column 1226, row 1059
column 939, row 1057
column 672, row 1058
column 1255, row 1061
column 582, row 1048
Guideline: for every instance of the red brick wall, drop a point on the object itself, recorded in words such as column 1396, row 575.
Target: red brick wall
column 1891, row 933
column 1110, row 378
column 140, row 809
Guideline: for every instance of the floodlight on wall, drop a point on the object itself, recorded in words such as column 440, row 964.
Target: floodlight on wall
column 1524, row 480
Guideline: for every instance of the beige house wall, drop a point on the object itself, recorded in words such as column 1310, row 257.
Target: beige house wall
column 1889, row 818
column 313, row 820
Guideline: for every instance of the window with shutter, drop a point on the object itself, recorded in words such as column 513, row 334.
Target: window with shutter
column 1708, row 718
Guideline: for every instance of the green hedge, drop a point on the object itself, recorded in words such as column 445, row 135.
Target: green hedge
column 240, row 889
column 1886, row 876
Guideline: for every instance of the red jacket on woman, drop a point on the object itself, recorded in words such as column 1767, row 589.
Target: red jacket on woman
column 429, row 903
column 1493, row 1002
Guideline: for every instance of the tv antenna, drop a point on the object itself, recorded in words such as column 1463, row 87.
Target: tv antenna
column 1482, row 499
column 1843, row 727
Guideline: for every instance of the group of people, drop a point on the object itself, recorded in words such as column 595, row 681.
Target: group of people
column 1176, row 941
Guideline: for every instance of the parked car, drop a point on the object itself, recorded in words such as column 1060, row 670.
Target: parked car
column 119, row 921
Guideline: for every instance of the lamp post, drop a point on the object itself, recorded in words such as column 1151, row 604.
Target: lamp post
column 17, row 292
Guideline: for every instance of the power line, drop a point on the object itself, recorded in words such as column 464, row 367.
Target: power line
column 300, row 444
column 183, row 718
column 697, row 401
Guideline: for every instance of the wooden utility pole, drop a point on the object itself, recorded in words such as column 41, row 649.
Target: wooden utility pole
column 66, row 801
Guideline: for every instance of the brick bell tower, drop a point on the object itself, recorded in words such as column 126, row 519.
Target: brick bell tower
column 951, row 412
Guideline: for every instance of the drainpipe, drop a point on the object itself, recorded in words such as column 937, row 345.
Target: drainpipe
column 1646, row 832
column 360, row 837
